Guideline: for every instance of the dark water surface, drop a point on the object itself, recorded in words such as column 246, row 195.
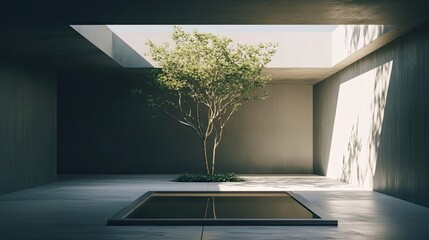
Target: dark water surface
column 221, row 206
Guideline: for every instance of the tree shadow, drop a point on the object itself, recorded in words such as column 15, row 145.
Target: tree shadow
column 359, row 169
column 381, row 85
column 354, row 148
column 357, row 36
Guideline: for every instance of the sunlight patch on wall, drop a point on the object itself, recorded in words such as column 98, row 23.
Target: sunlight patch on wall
column 357, row 127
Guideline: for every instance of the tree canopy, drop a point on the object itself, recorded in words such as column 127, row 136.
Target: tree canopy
column 203, row 79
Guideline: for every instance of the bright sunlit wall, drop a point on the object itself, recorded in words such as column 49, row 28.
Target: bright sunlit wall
column 371, row 120
column 357, row 127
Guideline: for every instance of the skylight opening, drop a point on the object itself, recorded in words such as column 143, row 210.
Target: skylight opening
column 305, row 52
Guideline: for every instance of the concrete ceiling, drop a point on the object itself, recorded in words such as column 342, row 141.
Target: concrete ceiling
column 39, row 31
column 214, row 11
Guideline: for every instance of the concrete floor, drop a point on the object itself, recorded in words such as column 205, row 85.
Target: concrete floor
column 77, row 207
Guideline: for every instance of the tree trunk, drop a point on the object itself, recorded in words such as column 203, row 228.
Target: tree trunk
column 216, row 143
column 214, row 157
column 205, row 155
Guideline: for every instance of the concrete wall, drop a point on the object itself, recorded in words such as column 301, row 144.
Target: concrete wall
column 112, row 45
column 371, row 120
column 28, row 128
column 105, row 129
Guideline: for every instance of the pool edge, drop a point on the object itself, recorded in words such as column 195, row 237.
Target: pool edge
column 119, row 219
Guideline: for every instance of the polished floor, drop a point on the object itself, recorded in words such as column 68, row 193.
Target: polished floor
column 77, row 207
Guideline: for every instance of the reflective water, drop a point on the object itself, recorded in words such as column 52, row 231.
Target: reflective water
column 221, row 206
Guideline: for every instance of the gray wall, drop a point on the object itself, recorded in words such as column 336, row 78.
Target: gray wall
column 27, row 128
column 402, row 141
column 105, row 129
column 271, row 136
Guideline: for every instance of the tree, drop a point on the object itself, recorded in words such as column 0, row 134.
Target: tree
column 204, row 79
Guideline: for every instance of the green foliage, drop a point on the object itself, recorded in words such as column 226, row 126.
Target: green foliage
column 204, row 79
column 218, row 177
column 208, row 69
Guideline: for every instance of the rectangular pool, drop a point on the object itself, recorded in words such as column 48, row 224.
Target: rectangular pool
column 221, row 208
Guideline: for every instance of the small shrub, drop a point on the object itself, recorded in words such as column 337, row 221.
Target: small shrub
column 218, row 177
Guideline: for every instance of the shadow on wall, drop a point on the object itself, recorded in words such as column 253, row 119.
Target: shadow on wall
column 357, row 127
column 105, row 129
column 348, row 39
column 357, row 36
column 354, row 148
